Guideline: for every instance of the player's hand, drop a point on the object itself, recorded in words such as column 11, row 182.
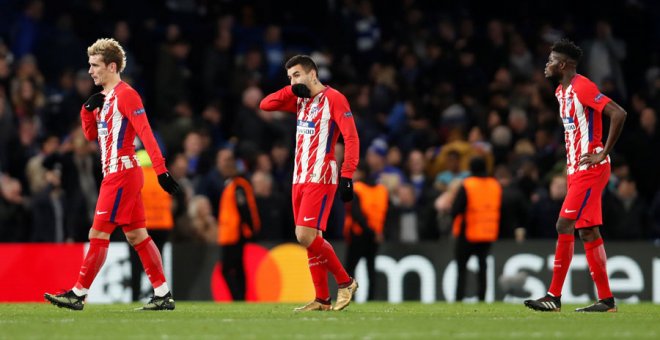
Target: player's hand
column 95, row 101
column 301, row 90
column 168, row 183
column 590, row 159
column 346, row 189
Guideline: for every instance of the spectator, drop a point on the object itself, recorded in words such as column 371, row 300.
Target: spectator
column 544, row 211
column 14, row 211
column 272, row 207
column 477, row 215
column 453, row 172
column 625, row 213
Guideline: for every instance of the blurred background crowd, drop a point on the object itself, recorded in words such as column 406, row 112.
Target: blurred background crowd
column 430, row 83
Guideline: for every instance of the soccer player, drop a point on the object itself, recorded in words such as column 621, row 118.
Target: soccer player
column 581, row 106
column 114, row 116
column 322, row 112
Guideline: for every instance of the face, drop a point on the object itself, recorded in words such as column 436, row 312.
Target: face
column 554, row 65
column 226, row 162
column 297, row 75
column 99, row 70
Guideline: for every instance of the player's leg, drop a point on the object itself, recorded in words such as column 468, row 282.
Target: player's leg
column 99, row 240
column 576, row 197
column 137, row 236
column 318, row 270
column 159, row 237
column 551, row 302
column 563, row 254
column 92, row 263
column 597, row 260
column 588, row 227
column 312, row 220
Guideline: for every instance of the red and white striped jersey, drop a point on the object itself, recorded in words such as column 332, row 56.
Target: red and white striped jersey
column 319, row 121
column 115, row 125
column 581, row 108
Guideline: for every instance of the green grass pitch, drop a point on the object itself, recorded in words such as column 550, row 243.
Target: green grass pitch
column 207, row 320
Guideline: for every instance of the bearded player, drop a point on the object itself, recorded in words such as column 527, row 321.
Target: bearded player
column 113, row 117
column 322, row 113
column 581, row 106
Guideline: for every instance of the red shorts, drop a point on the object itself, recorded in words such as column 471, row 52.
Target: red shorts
column 312, row 203
column 583, row 198
column 120, row 202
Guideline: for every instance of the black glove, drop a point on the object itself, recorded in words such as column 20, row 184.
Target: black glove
column 168, row 183
column 95, row 101
column 346, row 189
column 301, row 90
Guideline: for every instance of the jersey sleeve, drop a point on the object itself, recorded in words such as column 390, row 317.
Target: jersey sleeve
column 88, row 120
column 342, row 115
column 282, row 100
column 130, row 105
column 590, row 96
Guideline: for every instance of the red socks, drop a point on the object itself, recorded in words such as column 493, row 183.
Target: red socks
column 326, row 254
column 94, row 259
column 319, row 276
column 563, row 257
column 151, row 261
column 597, row 260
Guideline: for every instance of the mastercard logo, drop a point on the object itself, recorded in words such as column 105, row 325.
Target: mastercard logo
column 280, row 274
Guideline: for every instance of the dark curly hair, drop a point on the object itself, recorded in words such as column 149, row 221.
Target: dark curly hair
column 567, row 48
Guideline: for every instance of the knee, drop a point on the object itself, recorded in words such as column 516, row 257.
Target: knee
column 134, row 237
column 564, row 227
column 305, row 239
column 589, row 235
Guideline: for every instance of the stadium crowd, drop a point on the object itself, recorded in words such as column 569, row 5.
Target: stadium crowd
column 430, row 85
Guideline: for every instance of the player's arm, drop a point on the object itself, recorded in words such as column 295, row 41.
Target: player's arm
column 617, row 117
column 282, row 100
column 88, row 121
column 130, row 105
column 343, row 116
column 87, row 117
column 589, row 95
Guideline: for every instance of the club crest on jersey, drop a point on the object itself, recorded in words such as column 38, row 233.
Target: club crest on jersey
column 313, row 112
column 569, row 124
column 102, row 127
column 306, row 127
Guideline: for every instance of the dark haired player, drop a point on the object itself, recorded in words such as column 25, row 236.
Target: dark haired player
column 322, row 113
column 581, row 106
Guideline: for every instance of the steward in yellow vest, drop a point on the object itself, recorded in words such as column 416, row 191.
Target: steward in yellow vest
column 476, row 213
column 364, row 224
column 238, row 222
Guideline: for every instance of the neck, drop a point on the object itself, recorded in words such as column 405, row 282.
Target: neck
column 316, row 88
column 111, row 83
column 567, row 77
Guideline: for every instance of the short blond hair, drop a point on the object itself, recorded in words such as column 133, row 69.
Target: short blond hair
column 111, row 52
